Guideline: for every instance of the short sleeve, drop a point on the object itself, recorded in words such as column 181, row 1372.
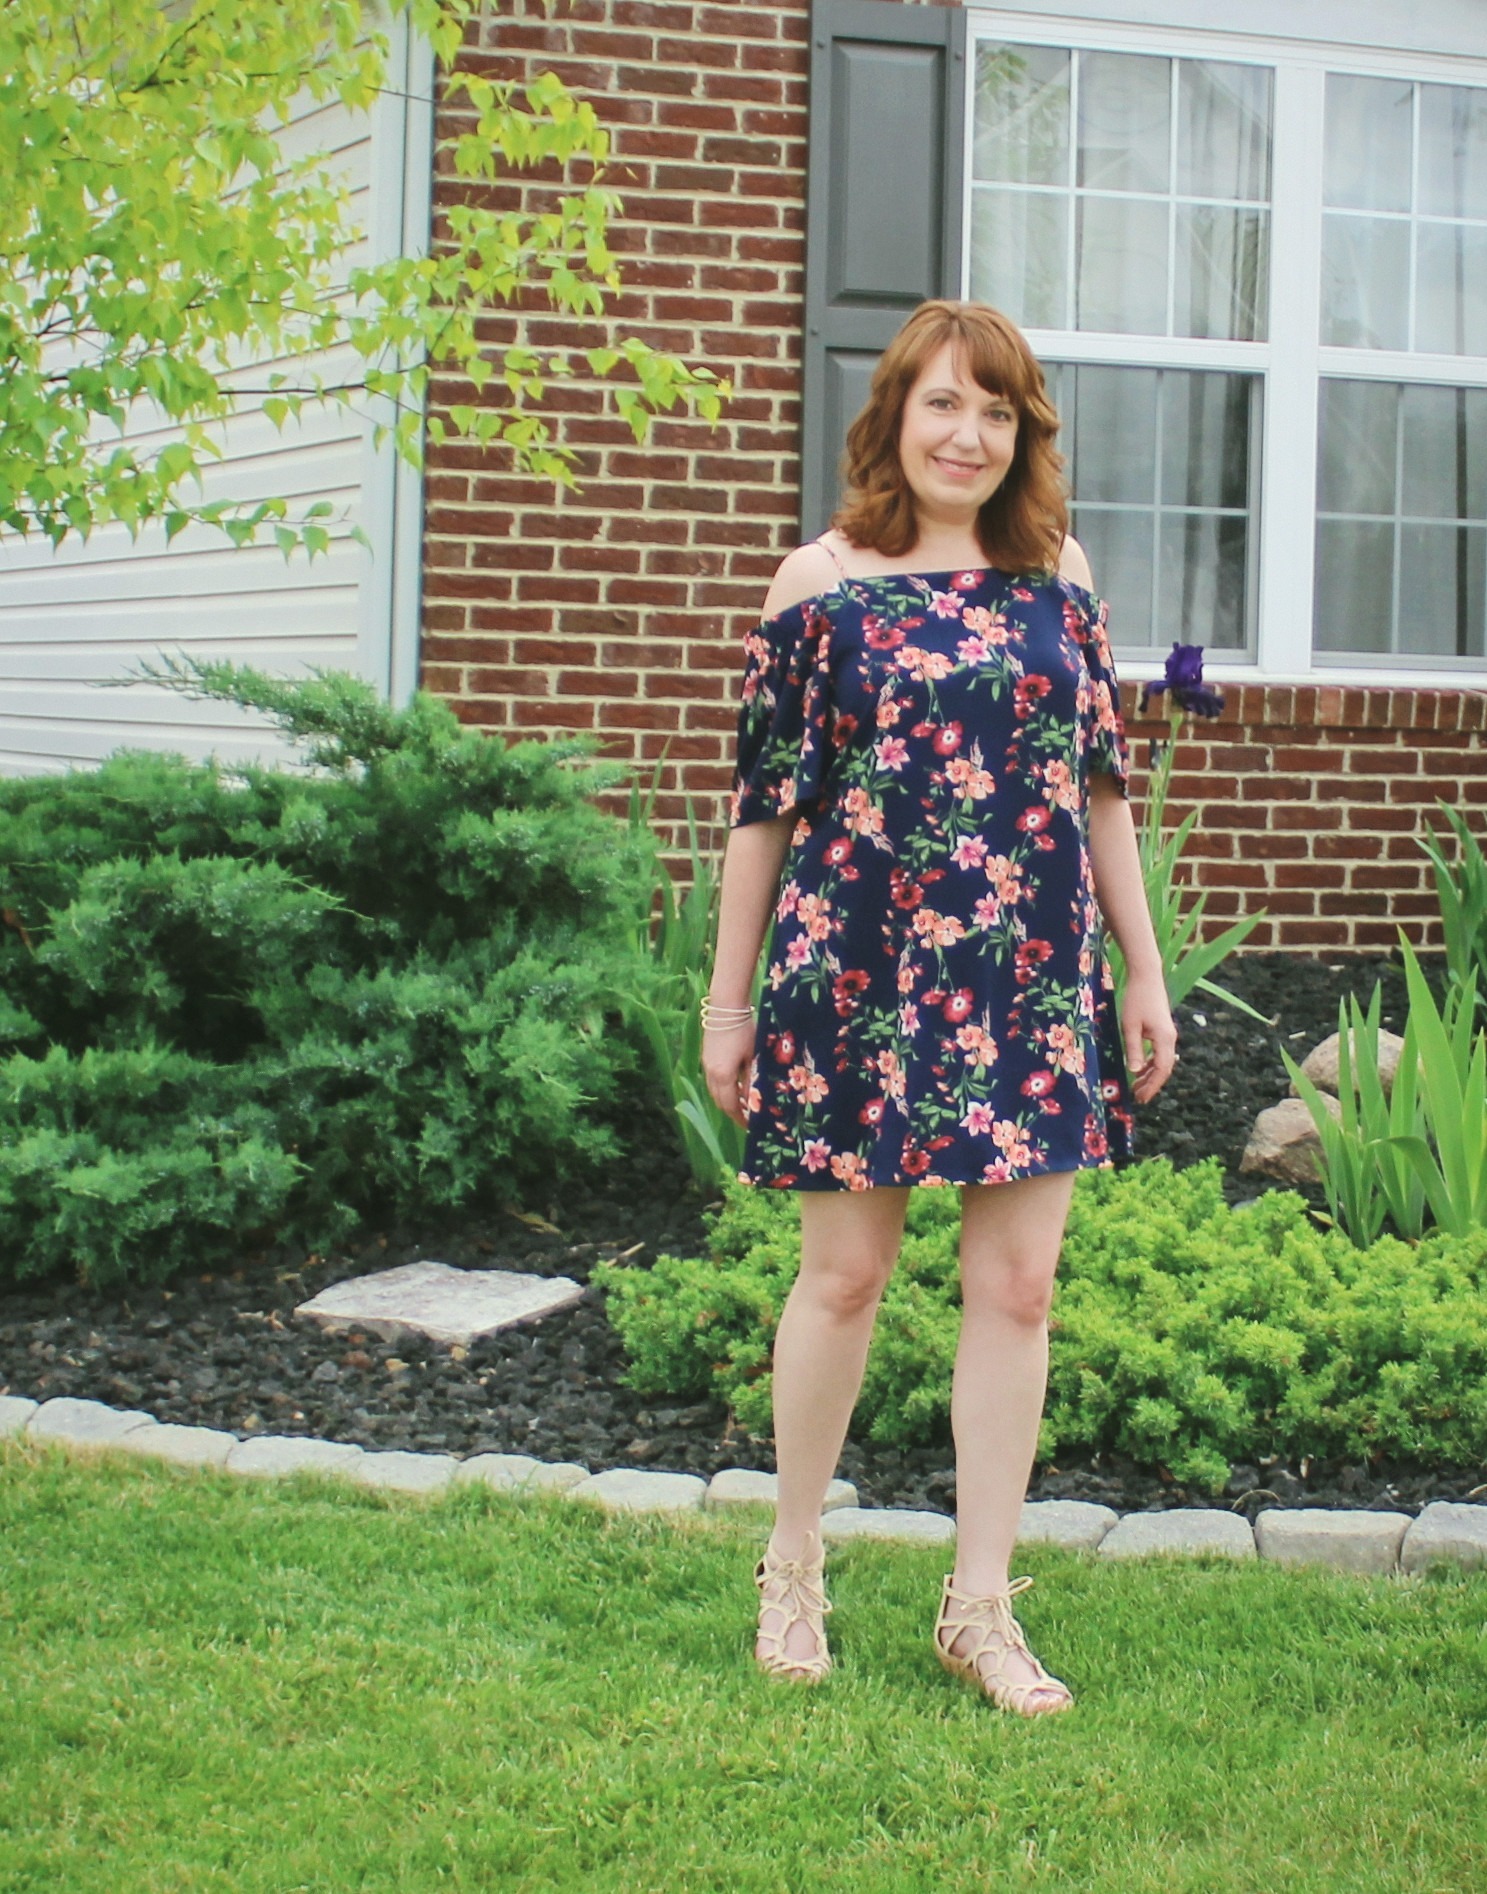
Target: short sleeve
column 1104, row 731
column 784, row 718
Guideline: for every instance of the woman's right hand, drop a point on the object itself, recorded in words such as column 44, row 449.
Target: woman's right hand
column 727, row 1054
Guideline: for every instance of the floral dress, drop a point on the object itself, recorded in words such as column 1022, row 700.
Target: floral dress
column 938, row 1007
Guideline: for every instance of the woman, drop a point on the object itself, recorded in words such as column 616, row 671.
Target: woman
column 932, row 760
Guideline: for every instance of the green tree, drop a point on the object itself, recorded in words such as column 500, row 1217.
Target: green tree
column 155, row 233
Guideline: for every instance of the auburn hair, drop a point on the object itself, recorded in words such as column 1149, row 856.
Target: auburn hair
column 1026, row 519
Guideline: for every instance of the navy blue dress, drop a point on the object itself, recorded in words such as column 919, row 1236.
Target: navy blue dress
column 938, row 1007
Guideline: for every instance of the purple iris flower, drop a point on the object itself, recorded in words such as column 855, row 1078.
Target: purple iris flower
column 1184, row 679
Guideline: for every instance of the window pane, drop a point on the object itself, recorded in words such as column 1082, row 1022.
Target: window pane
column 1114, row 435
column 1445, row 454
column 1365, row 282
column 1122, row 265
column 1441, row 572
column 1022, row 115
column 1124, row 122
column 1221, row 267
column 1356, row 446
column 1206, row 440
column 1355, row 582
column 1223, row 130
column 1367, row 164
column 1018, row 252
column 1453, row 151
column 1119, row 549
column 1451, row 289
column 1201, row 581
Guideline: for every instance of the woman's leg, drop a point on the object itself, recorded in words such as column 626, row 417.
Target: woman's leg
column 1010, row 1239
column 849, row 1243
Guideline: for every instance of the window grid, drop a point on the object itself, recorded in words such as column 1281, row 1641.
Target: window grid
column 1288, row 636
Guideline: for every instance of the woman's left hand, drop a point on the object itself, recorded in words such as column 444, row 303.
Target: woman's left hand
column 1146, row 1020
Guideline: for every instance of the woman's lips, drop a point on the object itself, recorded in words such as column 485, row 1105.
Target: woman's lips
column 957, row 469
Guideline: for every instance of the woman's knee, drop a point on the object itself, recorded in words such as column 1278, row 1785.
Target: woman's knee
column 849, row 1246
column 1020, row 1292
column 845, row 1288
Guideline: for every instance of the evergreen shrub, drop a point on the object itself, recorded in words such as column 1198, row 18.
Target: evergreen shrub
column 1184, row 1333
column 274, row 1001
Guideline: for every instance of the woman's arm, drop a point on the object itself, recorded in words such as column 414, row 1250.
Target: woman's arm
column 1115, row 862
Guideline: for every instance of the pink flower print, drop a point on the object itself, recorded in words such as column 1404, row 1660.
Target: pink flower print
column 814, row 916
column 947, row 604
column 925, row 664
column 1008, row 1139
column 977, row 1044
column 1060, row 780
column 978, row 1119
column 1065, row 1050
column 1007, row 877
column 972, row 783
column 973, row 651
column 966, row 581
column 943, row 930
column 1074, row 620
column 811, row 1085
column 998, row 1172
column 816, row 1155
column 891, row 752
column 988, row 911
column 1086, row 1002
column 798, row 952
column 908, row 974
column 908, row 1019
column 788, row 900
column 969, row 852
column 1086, row 963
column 892, row 1074
column 992, row 626
column 863, row 817
column 850, row 1170
column 889, row 710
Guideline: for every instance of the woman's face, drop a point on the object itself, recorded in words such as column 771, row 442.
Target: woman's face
column 955, row 441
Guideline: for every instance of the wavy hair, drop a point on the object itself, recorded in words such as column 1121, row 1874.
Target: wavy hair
column 1026, row 519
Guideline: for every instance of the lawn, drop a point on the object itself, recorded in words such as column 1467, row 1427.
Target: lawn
column 278, row 1687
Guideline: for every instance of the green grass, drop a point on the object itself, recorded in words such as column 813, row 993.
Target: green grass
column 211, row 1683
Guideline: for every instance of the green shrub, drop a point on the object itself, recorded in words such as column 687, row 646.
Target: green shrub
column 275, row 1001
column 1184, row 1333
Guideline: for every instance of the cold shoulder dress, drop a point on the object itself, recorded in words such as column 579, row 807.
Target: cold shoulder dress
column 938, row 1007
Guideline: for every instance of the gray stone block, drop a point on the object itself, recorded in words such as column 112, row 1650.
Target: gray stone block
column 1188, row 1530
column 887, row 1522
column 519, row 1473
column 183, row 1446
column 1075, row 1523
column 1365, row 1542
column 634, row 1490
column 447, row 1305
column 85, row 1423
column 15, row 1411
column 741, row 1486
column 1445, row 1530
column 272, row 1455
column 402, row 1472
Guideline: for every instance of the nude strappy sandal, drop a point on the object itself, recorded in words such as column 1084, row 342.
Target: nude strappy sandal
column 1000, row 1633
column 799, row 1587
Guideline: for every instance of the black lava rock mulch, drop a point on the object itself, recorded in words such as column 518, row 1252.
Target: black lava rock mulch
column 226, row 1350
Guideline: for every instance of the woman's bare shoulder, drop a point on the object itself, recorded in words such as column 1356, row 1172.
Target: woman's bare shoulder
column 1072, row 563
column 805, row 573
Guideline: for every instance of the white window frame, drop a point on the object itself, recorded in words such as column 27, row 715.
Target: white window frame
column 1291, row 363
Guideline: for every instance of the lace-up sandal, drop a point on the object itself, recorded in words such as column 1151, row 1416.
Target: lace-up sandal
column 994, row 1630
column 793, row 1589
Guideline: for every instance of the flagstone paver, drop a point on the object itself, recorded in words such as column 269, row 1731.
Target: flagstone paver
column 520, row 1473
column 15, row 1411
column 447, row 1305
column 183, row 1446
column 401, row 1472
column 742, row 1486
column 886, row 1522
column 1445, row 1529
column 84, row 1423
column 1188, row 1529
column 634, row 1490
column 1077, row 1523
column 1348, row 1541
column 271, row 1455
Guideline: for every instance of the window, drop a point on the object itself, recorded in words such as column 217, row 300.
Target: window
column 1256, row 273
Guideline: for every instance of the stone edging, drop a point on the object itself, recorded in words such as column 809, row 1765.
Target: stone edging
column 1363, row 1542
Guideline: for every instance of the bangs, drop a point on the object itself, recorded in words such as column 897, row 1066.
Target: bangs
column 997, row 361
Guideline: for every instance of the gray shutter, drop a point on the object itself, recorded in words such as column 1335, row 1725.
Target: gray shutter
column 884, row 197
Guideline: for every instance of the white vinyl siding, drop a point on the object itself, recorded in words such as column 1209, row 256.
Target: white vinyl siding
column 76, row 621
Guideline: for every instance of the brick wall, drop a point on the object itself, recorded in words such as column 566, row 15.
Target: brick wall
column 618, row 610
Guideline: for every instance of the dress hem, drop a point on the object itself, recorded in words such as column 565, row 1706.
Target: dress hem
column 920, row 1183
